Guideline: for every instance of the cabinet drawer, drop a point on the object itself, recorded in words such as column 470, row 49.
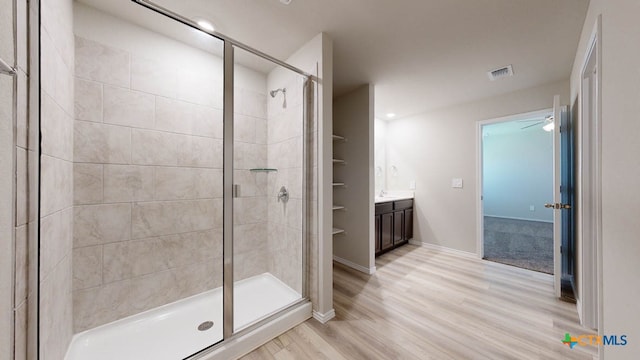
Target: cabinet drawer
column 403, row 204
column 384, row 208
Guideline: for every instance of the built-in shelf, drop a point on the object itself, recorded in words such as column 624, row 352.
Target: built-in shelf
column 263, row 170
column 338, row 138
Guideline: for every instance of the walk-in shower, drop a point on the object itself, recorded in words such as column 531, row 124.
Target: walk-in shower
column 189, row 187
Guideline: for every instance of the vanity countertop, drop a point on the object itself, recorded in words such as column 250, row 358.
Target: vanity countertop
column 388, row 198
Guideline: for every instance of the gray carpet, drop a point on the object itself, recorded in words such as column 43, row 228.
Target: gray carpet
column 521, row 243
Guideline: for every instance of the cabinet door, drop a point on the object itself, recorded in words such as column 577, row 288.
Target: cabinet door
column 408, row 224
column 378, row 233
column 398, row 227
column 386, row 241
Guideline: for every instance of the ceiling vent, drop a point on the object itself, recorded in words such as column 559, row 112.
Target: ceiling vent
column 500, row 73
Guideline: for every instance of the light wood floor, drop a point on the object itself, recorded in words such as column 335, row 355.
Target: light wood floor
column 423, row 304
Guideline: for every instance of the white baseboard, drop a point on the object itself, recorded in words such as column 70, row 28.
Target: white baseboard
column 323, row 318
column 443, row 249
column 369, row 271
column 579, row 309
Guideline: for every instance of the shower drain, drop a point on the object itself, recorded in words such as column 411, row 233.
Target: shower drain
column 205, row 326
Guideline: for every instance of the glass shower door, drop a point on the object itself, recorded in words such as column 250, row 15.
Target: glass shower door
column 268, row 188
column 148, row 205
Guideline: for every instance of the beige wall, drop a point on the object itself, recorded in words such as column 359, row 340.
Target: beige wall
column 620, row 71
column 56, row 202
column 435, row 147
column 354, row 119
column 380, row 155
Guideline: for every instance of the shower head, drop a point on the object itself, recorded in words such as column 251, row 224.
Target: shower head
column 275, row 92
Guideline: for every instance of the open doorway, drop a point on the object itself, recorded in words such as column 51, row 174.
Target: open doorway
column 517, row 180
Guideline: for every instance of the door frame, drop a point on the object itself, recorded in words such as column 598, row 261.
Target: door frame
column 589, row 184
column 479, row 173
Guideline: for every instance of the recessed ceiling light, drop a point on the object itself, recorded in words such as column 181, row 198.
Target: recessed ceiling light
column 286, row 2
column 205, row 25
column 391, row 115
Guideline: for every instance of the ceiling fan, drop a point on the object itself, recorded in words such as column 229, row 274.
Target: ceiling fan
column 547, row 121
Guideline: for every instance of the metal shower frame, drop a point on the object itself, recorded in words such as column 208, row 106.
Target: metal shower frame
column 228, row 117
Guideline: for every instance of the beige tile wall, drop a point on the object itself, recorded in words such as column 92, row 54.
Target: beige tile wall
column 250, row 152
column 9, row 234
column 148, row 182
column 285, row 152
column 56, row 202
column 26, row 242
column 148, row 207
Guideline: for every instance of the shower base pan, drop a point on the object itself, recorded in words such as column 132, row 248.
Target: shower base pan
column 180, row 329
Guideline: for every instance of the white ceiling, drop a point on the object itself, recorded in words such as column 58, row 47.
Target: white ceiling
column 419, row 54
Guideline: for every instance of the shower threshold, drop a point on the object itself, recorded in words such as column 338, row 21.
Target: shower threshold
column 182, row 328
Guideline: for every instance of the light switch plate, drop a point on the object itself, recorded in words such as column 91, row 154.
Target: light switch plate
column 412, row 185
column 456, row 183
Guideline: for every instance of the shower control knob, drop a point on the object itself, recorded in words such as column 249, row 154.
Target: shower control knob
column 283, row 194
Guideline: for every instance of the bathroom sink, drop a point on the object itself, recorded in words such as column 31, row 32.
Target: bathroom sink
column 379, row 199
